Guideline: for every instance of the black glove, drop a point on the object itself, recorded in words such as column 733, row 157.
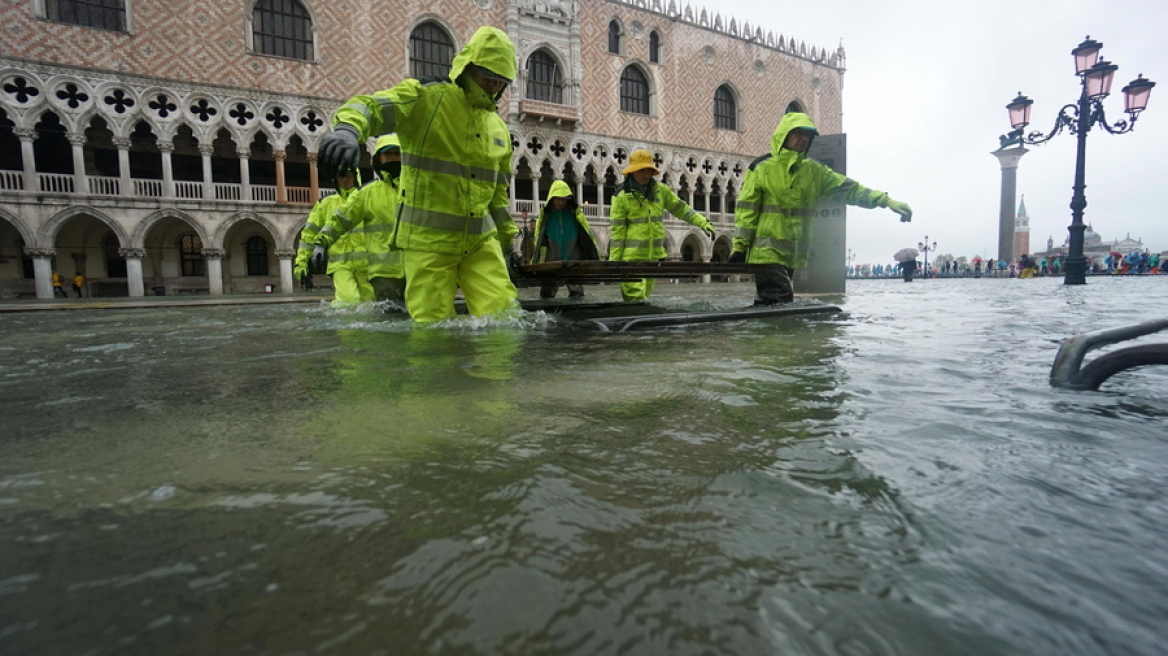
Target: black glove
column 339, row 151
column 318, row 263
column 710, row 233
column 737, row 257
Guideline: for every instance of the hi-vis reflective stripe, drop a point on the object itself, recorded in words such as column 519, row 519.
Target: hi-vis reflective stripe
column 635, row 220
column 350, row 256
column 689, row 215
column 384, row 258
column 785, row 245
column 801, row 212
column 306, row 246
column 454, row 168
column 500, row 215
column 639, row 243
column 388, row 116
column 745, row 233
column 344, row 221
column 445, row 222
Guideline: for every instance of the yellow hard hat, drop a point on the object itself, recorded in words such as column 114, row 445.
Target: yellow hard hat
column 640, row 159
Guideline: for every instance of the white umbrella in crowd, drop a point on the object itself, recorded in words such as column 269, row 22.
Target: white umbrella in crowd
column 906, row 254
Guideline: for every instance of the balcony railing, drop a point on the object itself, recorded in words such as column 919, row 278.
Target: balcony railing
column 148, row 188
column 547, row 110
column 186, row 189
column 302, row 195
column 11, row 180
column 56, row 183
column 263, row 193
column 228, row 191
column 104, row 185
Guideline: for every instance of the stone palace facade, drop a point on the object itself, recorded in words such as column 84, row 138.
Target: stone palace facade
column 170, row 147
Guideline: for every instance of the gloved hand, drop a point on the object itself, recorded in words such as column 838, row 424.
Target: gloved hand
column 710, row 233
column 339, row 151
column 902, row 209
column 298, row 272
column 737, row 257
column 316, row 263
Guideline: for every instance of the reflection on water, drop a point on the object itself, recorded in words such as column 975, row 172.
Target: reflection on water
column 899, row 479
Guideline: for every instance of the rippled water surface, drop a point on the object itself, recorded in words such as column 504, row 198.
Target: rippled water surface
column 897, row 479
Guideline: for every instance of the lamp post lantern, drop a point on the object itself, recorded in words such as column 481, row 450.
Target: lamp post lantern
column 1095, row 77
column 924, row 247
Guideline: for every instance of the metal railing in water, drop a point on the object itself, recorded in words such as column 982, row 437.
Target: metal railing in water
column 1068, row 370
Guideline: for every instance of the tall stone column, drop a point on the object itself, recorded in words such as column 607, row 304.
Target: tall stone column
column 28, row 158
column 42, row 267
column 214, row 259
column 535, row 192
column 313, row 183
column 287, row 284
column 206, row 150
column 166, row 148
column 281, row 189
column 127, row 184
column 244, row 174
column 80, row 179
column 1008, row 158
column 134, row 281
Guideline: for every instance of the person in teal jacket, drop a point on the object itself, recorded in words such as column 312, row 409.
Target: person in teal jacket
column 347, row 263
column 562, row 233
column 774, row 213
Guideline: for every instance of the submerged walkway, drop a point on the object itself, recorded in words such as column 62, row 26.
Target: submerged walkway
column 125, row 303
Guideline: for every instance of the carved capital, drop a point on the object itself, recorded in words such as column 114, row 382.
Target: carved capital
column 206, row 150
column 122, row 143
column 312, row 157
column 243, row 153
column 285, row 253
column 165, row 147
column 76, row 138
column 213, row 253
column 39, row 252
column 25, row 133
column 279, row 155
column 136, row 253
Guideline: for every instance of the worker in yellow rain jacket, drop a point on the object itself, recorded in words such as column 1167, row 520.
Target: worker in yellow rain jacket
column 372, row 211
column 562, row 233
column 454, row 227
column 638, row 220
column 347, row 263
column 773, row 216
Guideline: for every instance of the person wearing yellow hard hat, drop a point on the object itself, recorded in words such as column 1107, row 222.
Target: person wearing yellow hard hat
column 372, row 212
column 638, row 220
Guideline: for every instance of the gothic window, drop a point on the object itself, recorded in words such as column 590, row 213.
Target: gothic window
column 614, row 37
column 725, row 109
column 543, row 78
column 101, row 14
column 634, row 91
column 282, row 28
column 191, row 252
column 431, row 51
column 115, row 265
column 257, row 256
column 655, row 47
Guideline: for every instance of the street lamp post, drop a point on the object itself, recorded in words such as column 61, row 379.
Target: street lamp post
column 1095, row 77
column 924, row 247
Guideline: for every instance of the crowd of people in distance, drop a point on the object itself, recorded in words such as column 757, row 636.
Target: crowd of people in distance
column 1027, row 266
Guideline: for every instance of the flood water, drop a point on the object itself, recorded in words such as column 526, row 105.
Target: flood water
column 897, row 479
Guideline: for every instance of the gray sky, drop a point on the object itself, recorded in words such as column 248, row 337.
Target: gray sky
column 924, row 102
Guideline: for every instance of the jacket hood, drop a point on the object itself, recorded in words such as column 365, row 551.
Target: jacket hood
column 386, row 141
column 560, row 189
column 791, row 121
column 490, row 48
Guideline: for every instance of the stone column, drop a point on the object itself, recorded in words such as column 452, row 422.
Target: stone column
column 511, row 193
column 80, row 179
column 214, row 260
column 244, row 175
column 1008, row 158
column 206, row 150
column 133, row 257
column 42, row 266
column 166, row 148
column 281, row 189
column 127, row 184
column 535, row 192
column 28, row 158
column 287, row 284
column 313, row 184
